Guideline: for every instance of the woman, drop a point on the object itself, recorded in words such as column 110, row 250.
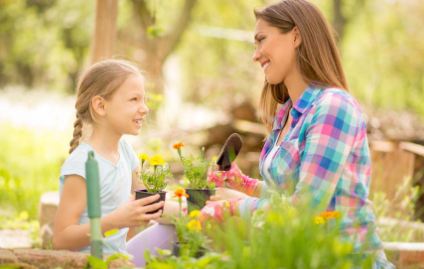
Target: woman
column 317, row 141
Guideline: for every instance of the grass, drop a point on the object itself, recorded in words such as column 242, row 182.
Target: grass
column 30, row 164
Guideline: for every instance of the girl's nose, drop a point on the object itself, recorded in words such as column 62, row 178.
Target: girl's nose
column 144, row 110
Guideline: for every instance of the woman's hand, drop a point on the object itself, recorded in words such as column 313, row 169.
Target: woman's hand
column 134, row 212
column 234, row 179
column 227, row 194
column 218, row 210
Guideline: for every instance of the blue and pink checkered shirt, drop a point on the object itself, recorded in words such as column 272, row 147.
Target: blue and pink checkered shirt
column 326, row 154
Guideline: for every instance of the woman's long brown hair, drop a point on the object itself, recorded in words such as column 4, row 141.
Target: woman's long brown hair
column 318, row 59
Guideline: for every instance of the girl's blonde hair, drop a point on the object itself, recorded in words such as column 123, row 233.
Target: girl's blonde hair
column 100, row 79
column 318, row 59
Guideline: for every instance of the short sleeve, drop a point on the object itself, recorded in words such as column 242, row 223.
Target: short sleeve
column 74, row 165
column 129, row 154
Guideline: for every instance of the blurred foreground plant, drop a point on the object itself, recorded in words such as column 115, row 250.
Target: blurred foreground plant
column 280, row 237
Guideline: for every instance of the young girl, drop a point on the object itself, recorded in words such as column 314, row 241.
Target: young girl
column 110, row 99
column 317, row 141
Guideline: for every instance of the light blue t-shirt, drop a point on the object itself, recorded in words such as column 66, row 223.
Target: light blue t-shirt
column 115, row 185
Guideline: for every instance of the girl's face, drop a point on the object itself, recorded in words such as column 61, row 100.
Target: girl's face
column 126, row 109
column 275, row 51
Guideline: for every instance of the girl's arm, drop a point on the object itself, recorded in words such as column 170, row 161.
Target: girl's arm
column 68, row 234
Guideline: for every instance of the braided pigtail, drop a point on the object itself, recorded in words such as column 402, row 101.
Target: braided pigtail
column 101, row 79
column 77, row 134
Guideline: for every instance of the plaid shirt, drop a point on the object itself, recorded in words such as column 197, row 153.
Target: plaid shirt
column 326, row 153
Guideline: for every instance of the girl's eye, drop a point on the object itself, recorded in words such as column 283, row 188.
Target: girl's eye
column 260, row 39
column 134, row 99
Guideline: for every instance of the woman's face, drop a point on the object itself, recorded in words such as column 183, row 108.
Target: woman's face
column 275, row 51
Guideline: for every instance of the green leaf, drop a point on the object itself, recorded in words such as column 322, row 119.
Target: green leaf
column 96, row 263
column 164, row 252
column 116, row 256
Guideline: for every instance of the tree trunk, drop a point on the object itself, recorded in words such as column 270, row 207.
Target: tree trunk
column 158, row 48
column 103, row 41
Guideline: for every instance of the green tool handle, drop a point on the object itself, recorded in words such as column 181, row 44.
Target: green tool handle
column 96, row 242
column 93, row 186
column 93, row 204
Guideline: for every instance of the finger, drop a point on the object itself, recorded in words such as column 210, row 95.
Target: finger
column 153, row 216
column 147, row 200
column 215, row 198
column 152, row 207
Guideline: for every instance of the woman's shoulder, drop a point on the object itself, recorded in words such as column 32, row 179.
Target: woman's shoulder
column 335, row 98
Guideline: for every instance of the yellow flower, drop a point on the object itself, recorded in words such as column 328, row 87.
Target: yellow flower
column 194, row 213
column 319, row 220
column 144, row 157
column 111, row 232
column 157, row 160
column 178, row 145
column 227, row 204
column 180, row 192
column 194, row 225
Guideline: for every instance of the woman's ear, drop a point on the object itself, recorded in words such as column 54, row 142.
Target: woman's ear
column 297, row 38
column 98, row 104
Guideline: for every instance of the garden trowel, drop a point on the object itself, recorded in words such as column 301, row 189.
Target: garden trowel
column 229, row 152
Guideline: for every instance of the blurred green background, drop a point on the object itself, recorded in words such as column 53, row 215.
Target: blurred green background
column 45, row 45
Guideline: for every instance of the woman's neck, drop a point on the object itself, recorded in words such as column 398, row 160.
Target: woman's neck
column 295, row 85
column 105, row 143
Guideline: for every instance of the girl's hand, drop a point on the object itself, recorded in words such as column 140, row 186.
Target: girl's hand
column 234, row 179
column 134, row 212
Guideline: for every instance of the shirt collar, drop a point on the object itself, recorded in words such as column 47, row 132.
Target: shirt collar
column 301, row 105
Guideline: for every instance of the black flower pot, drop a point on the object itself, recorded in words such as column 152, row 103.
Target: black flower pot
column 140, row 194
column 197, row 198
column 177, row 248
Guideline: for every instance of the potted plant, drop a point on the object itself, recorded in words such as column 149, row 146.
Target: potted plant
column 153, row 178
column 195, row 169
column 188, row 230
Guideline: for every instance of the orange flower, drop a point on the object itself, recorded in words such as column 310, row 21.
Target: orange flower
column 180, row 192
column 330, row 215
column 178, row 145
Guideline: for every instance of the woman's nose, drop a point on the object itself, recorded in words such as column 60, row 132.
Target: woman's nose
column 256, row 55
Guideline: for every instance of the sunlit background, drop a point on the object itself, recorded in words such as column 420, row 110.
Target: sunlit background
column 197, row 56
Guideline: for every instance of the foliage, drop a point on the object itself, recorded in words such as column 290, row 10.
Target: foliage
column 395, row 216
column 280, row 237
column 210, row 260
column 21, row 221
column 29, row 165
column 154, row 179
column 44, row 43
column 96, row 263
column 188, row 228
column 195, row 168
